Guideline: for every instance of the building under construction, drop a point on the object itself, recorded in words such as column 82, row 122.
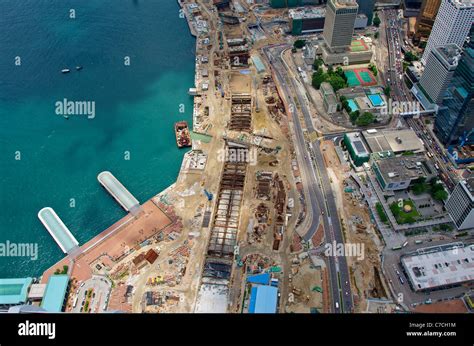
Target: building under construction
column 241, row 113
column 223, row 239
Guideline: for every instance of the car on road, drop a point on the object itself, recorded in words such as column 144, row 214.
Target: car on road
column 398, row 273
column 401, row 280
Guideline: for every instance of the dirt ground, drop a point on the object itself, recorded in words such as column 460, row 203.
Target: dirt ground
column 305, row 280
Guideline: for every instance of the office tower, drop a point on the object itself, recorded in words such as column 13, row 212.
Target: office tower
column 452, row 25
column 339, row 24
column 440, row 67
column 306, row 20
column 460, row 204
column 426, row 18
column 367, row 7
column 455, row 119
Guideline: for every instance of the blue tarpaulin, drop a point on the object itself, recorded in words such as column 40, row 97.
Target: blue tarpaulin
column 262, row 279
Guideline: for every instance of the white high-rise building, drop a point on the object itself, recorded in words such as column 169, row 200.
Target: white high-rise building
column 452, row 25
column 460, row 204
column 439, row 70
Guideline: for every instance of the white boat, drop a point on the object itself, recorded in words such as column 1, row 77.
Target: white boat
column 66, row 70
column 78, row 68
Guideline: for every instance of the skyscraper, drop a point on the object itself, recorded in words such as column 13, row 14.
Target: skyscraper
column 452, row 25
column 441, row 65
column 455, row 119
column 460, row 204
column 367, row 7
column 339, row 24
column 426, row 18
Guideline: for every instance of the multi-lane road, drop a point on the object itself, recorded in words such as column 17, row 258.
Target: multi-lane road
column 400, row 93
column 320, row 198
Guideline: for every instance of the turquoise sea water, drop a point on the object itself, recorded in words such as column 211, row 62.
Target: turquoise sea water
column 136, row 107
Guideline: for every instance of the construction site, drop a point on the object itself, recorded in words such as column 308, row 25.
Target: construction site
column 237, row 202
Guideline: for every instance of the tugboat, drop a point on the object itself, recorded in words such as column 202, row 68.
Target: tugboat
column 183, row 137
column 66, row 70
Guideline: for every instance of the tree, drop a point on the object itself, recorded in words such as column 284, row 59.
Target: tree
column 354, row 116
column 345, row 105
column 420, row 186
column 377, row 20
column 299, row 44
column 440, row 195
column 410, row 57
column 376, row 35
column 318, row 63
column 387, row 91
column 336, row 81
column 374, row 70
column 365, row 119
column 318, row 77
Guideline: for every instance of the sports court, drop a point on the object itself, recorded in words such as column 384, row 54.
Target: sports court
column 358, row 46
column 360, row 77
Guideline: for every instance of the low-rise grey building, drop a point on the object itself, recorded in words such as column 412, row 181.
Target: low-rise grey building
column 399, row 172
column 329, row 98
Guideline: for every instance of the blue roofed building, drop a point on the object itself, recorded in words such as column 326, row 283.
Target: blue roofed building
column 55, row 293
column 263, row 299
column 261, row 279
column 14, row 291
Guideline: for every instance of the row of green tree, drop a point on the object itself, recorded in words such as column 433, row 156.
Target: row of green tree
column 436, row 190
column 336, row 78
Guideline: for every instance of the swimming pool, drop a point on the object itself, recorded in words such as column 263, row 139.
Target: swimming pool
column 376, row 100
column 353, row 105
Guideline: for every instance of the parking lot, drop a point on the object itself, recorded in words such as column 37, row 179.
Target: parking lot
column 92, row 295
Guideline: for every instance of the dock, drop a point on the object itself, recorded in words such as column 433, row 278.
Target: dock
column 58, row 230
column 119, row 192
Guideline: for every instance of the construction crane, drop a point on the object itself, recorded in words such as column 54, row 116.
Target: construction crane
column 209, row 195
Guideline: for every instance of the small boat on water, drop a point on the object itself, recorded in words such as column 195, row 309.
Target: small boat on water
column 183, row 137
column 65, row 70
column 78, row 68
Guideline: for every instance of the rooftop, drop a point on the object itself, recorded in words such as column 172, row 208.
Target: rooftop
column 345, row 3
column 463, row 3
column 118, row 191
column 402, row 168
column 468, row 185
column 450, row 54
column 55, row 293
column 14, row 291
column 57, row 229
column 307, row 12
column 327, row 89
column 357, row 144
column 396, row 141
column 263, row 300
column 439, row 266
